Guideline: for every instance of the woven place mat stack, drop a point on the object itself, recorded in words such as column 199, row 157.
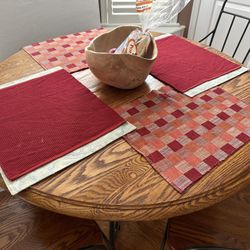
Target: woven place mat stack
column 49, row 121
column 189, row 68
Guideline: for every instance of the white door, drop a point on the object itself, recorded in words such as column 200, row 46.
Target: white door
column 204, row 16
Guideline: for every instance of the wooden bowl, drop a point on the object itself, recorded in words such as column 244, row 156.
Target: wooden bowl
column 123, row 71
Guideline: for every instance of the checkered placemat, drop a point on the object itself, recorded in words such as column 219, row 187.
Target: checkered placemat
column 185, row 138
column 65, row 51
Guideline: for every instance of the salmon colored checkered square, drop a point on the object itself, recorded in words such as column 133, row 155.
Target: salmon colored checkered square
column 65, row 51
column 185, row 138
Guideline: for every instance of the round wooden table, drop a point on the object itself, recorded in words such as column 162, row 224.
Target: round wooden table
column 117, row 183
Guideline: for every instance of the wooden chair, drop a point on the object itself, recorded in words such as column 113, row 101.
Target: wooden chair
column 213, row 33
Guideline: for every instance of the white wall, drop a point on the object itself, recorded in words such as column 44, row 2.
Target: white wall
column 23, row 22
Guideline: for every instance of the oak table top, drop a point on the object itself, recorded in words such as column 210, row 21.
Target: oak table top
column 117, row 183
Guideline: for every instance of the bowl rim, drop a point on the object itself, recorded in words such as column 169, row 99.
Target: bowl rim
column 106, row 53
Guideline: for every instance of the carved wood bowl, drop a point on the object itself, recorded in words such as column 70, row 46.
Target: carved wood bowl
column 123, row 71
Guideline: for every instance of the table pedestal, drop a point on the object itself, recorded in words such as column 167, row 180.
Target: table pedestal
column 114, row 228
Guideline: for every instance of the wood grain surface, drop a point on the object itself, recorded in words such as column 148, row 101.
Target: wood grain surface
column 117, row 183
column 25, row 227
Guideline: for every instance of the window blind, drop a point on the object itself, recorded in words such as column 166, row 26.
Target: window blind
column 121, row 7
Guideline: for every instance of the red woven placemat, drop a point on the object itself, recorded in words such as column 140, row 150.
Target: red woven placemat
column 185, row 138
column 48, row 117
column 66, row 51
column 184, row 65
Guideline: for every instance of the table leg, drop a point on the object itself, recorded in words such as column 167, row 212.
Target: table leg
column 165, row 236
column 109, row 241
column 113, row 229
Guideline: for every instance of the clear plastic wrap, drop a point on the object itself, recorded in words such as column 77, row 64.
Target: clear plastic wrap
column 156, row 13
column 152, row 14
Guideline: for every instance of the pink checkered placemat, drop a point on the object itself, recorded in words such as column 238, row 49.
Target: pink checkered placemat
column 185, row 138
column 66, row 51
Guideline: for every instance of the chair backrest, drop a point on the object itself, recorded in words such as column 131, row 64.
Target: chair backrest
column 213, row 32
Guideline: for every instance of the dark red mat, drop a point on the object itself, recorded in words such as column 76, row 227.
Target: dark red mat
column 184, row 65
column 45, row 118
